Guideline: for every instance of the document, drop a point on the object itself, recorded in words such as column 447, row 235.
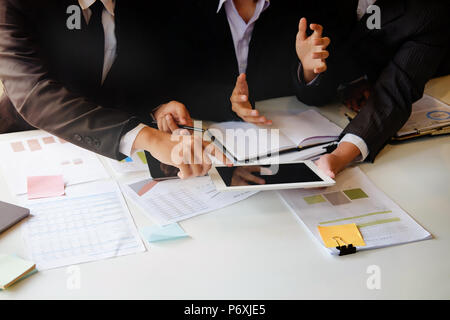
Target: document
column 427, row 114
column 136, row 163
column 90, row 223
column 247, row 141
column 171, row 201
column 46, row 155
column 354, row 199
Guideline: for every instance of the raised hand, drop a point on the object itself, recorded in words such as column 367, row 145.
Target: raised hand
column 312, row 50
column 242, row 106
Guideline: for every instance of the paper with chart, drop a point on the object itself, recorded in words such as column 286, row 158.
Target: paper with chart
column 136, row 163
column 246, row 141
column 355, row 199
column 172, row 201
column 91, row 223
column 427, row 113
column 46, row 155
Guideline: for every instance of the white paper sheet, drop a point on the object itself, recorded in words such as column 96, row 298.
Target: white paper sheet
column 380, row 221
column 46, row 155
column 176, row 200
column 293, row 128
column 90, row 223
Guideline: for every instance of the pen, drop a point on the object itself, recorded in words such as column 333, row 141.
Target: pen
column 187, row 127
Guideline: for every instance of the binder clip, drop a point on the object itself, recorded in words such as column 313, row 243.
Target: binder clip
column 344, row 249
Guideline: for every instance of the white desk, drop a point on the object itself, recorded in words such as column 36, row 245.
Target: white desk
column 257, row 250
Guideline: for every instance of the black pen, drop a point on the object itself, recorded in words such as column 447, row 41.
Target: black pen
column 187, row 127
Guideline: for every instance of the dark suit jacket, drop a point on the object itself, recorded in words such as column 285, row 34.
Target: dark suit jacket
column 398, row 59
column 46, row 84
column 210, row 67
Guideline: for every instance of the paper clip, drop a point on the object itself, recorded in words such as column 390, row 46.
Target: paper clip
column 344, row 249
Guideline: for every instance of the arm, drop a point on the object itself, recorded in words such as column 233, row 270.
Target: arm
column 400, row 84
column 46, row 103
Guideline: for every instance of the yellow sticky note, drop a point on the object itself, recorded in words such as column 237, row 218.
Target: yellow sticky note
column 349, row 233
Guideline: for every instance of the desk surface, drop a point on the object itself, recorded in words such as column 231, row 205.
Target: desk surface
column 257, row 250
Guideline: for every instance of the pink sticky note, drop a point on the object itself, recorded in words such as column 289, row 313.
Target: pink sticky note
column 45, row 187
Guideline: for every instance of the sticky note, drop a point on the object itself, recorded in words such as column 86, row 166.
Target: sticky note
column 169, row 232
column 12, row 269
column 45, row 187
column 345, row 234
column 142, row 156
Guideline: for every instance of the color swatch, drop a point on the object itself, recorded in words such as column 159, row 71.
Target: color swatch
column 355, row 194
column 17, row 146
column 337, row 198
column 314, row 199
column 34, row 145
column 49, row 140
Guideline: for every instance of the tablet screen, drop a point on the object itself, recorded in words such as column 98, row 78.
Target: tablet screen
column 262, row 174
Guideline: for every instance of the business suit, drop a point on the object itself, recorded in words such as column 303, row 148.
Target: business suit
column 48, row 80
column 398, row 60
column 208, row 46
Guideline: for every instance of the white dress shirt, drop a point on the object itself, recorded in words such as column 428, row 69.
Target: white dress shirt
column 240, row 30
column 109, row 25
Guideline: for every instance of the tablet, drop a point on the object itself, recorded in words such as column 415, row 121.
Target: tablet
column 251, row 177
column 160, row 171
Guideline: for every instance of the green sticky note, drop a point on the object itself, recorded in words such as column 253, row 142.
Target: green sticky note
column 169, row 232
column 12, row 269
column 142, row 156
column 314, row 199
column 355, row 194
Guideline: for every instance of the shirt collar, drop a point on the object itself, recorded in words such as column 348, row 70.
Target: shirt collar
column 221, row 2
column 109, row 4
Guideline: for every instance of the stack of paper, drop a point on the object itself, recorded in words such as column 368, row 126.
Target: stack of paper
column 14, row 269
column 355, row 199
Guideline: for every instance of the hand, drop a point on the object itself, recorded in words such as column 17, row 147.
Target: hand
column 244, row 176
column 243, row 107
column 172, row 114
column 356, row 95
column 187, row 152
column 330, row 164
column 333, row 163
column 312, row 50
